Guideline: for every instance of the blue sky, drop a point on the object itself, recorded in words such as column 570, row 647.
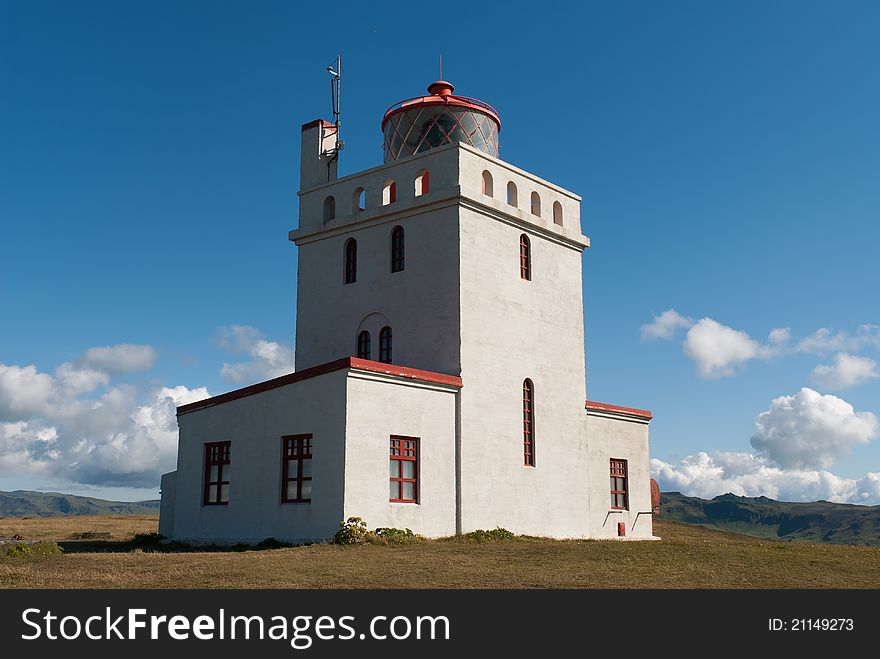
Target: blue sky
column 727, row 154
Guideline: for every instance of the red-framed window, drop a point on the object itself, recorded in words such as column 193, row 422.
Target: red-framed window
column 398, row 255
column 363, row 345
column 385, row 345
column 525, row 258
column 296, row 468
column 217, row 472
column 528, row 423
column 619, row 497
column 404, row 469
column 351, row 261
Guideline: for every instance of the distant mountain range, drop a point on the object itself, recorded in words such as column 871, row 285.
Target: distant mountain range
column 819, row 521
column 22, row 503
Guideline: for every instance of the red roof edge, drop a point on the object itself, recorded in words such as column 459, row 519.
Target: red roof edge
column 318, row 122
column 321, row 369
column 632, row 411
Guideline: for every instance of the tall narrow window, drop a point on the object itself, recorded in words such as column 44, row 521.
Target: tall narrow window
column 389, row 192
column 557, row 213
column 404, row 470
column 363, row 345
column 351, row 261
column 511, row 195
column 536, row 204
column 217, row 470
column 525, row 258
column 422, row 183
column 487, row 183
column 397, row 250
column 296, row 468
column 358, row 200
column 619, row 499
column 329, row 208
column 385, row 345
column 528, row 423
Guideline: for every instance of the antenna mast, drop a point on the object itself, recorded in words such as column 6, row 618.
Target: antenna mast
column 335, row 96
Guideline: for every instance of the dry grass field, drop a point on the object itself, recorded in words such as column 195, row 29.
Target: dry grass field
column 687, row 557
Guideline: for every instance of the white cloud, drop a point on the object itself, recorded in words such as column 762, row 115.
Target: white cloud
column 120, row 358
column 809, row 430
column 719, row 350
column 780, row 336
column 74, row 427
column 665, row 325
column 824, row 341
column 744, row 474
column 268, row 358
column 846, row 371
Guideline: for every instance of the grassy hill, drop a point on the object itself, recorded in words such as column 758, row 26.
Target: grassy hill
column 818, row 521
column 105, row 552
column 22, row 503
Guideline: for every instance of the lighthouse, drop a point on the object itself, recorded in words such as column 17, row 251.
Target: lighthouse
column 440, row 367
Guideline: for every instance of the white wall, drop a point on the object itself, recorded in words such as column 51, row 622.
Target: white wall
column 379, row 409
column 624, row 439
column 255, row 425
column 514, row 329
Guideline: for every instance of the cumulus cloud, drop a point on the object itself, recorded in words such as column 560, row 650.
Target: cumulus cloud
column 809, row 430
column 797, row 439
column 268, row 359
column 74, row 426
column 846, row 371
column 719, row 350
column 744, row 474
column 120, row 358
column 665, row 325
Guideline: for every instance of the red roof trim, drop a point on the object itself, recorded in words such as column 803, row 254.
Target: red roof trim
column 318, row 122
column 605, row 407
column 339, row 364
column 456, row 101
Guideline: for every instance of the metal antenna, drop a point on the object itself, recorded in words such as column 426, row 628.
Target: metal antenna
column 335, row 99
column 441, row 66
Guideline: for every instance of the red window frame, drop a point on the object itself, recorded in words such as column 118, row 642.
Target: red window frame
column 619, row 485
column 351, row 259
column 528, row 423
column 403, row 450
column 398, row 253
column 363, row 345
column 217, row 454
column 525, row 258
column 295, row 450
column 385, row 352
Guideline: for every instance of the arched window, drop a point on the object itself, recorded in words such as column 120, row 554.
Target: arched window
column 528, row 423
column 389, row 192
column 363, row 345
column 557, row 213
column 536, row 204
column 329, row 208
column 487, row 183
column 422, row 183
column 398, row 254
column 358, row 201
column 525, row 258
column 511, row 195
column 385, row 345
column 351, row 261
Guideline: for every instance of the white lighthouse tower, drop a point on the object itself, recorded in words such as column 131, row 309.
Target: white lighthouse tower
column 440, row 380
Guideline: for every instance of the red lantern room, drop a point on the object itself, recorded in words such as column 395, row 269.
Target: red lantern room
column 426, row 122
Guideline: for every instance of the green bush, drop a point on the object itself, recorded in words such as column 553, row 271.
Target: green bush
column 391, row 533
column 497, row 534
column 352, row 531
column 29, row 549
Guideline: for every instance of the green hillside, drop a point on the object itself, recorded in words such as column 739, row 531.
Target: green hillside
column 818, row 521
column 22, row 503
